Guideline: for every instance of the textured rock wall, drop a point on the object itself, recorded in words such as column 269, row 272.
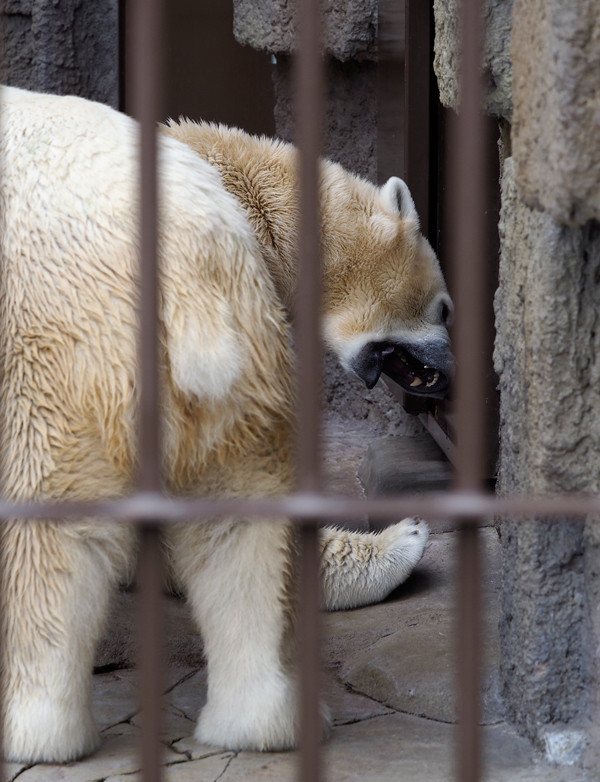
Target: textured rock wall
column 547, row 351
column 349, row 37
column 548, row 360
column 349, row 29
column 556, row 131
column 69, row 47
column 496, row 57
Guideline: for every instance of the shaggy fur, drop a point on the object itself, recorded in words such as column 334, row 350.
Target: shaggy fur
column 69, row 393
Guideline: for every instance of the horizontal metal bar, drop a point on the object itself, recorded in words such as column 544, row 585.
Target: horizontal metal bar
column 311, row 506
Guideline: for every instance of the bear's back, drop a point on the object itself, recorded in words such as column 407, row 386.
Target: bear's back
column 69, row 212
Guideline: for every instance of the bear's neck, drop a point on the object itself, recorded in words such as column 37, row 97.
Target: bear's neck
column 261, row 174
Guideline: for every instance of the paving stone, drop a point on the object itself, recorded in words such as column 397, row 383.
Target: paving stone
column 12, row 770
column 190, row 695
column 209, row 769
column 206, row 770
column 404, row 747
column 346, row 706
column 266, row 767
column 114, row 699
column 413, row 671
column 196, row 751
column 117, row 755
column 404, row 655
column 121, row 729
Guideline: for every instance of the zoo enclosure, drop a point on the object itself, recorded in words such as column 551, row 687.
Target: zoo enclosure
column 467, row 503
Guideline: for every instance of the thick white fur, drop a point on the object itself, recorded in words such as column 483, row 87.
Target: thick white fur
column 68, row 411
column 68, row 315
column 235, row 598
column 364, row 568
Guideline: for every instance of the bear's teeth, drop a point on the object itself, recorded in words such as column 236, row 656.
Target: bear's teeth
column 416, row 382
column 434, row 379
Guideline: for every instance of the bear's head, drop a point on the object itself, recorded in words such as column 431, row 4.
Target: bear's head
column 385, row 304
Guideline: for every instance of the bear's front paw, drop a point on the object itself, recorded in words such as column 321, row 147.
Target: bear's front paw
column 359, row 568
column 405, row 542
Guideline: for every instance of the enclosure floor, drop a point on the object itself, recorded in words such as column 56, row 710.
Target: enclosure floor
column 389, row 685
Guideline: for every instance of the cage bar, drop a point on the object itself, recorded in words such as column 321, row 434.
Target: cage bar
column 466, row 503
column 145, row 98
column 467, row 265
column 308, row 76
column 308, row 507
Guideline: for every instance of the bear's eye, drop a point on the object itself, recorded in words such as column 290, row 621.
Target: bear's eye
column 445, row 312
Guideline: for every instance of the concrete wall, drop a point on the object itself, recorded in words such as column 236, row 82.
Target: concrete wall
column 349, row 38
column 69, row 47
column 547, row 350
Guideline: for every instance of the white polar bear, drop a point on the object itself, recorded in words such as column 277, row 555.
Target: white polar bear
column 69, row 394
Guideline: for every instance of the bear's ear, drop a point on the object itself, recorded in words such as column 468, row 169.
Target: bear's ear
column 396, row 198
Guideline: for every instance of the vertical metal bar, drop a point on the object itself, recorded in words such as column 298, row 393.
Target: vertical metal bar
column 309, row 628
column 145, row 98
column 308, row 122
column 467, row 160
column 469, row 264
column 150, row 635
column 468, row 668
column 417, row 121
column 391, row 47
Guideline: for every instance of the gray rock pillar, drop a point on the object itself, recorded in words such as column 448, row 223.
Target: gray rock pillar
column 548, row 360
column 547, row 350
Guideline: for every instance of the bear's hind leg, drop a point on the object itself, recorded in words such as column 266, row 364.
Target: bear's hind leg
column 239, row 579
column 56, row 582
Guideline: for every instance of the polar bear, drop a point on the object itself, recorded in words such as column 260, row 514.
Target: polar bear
column 69, row 395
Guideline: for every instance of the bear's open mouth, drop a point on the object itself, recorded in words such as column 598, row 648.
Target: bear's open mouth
column 414, row 376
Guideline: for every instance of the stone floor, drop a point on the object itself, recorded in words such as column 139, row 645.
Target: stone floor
column 388, row 682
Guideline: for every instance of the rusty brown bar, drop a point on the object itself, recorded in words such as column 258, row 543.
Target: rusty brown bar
column 307, row 507
column 308, row 123
column 145, row 98
column 308, row 80
column 150, row 635
column 468, row 263
column 468, row 748
column 417, row 123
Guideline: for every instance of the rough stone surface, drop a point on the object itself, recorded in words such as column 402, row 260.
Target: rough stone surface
column 393, row 668
column 404, row 464
column 118, row 646
column 350, row 132
column 370, row 740
column 556, row 132
column 496, row 56
column 349, row 27
column 548, row 360
column 564, row 747
column 66, row 48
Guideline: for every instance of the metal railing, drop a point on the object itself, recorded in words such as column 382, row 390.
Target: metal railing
column 467, row 503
